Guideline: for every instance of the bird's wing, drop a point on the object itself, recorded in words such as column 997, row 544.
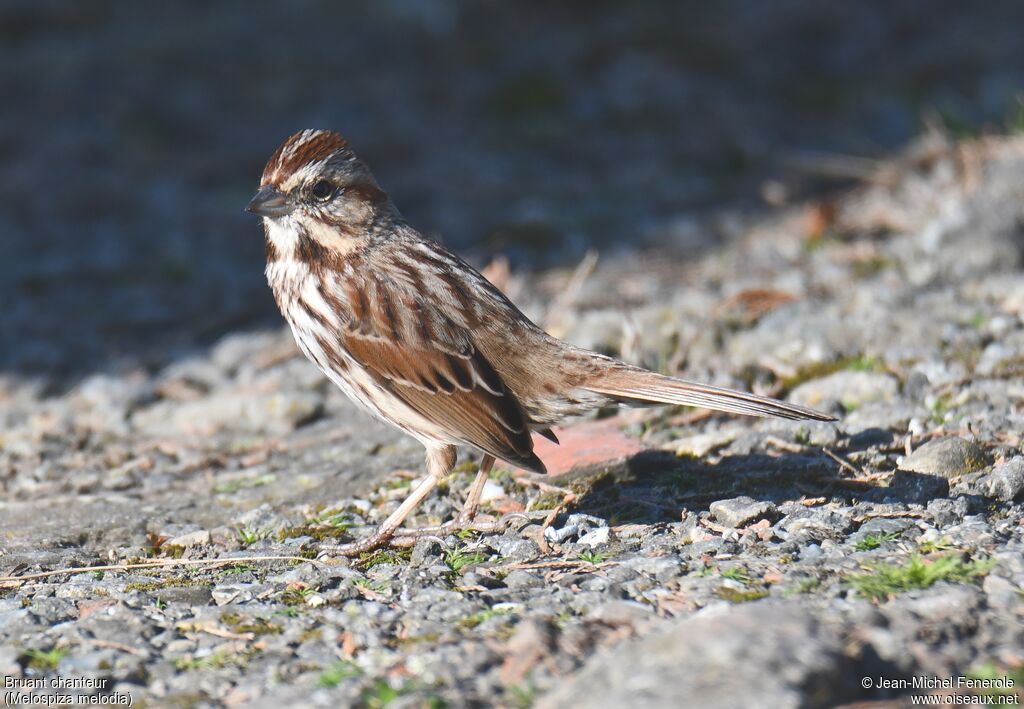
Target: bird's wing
column 419, row 346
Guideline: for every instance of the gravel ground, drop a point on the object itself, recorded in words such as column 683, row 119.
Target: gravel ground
column 153, row 409
column 740, row 563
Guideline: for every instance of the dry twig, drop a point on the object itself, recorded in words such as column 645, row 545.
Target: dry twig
column 156, row 563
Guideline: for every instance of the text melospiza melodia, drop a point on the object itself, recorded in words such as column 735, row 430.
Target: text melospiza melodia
column 420, row 339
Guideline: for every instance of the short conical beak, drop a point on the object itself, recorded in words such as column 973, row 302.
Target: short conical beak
column 269, row 202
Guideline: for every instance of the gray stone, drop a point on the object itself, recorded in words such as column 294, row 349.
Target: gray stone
column 9, row 666
column 1001, row 593
column 521, row 578
column 741, row 511
column 948, row 457
column 190, row 539
column 946, row 512
column 595, row 537
column 816, row 524
column 1002, row 355
column 277, row 412
column 515, row 548
column 851, row 389
column 576, row 525
column 1006, row 481
column 918, row 487
column 752, row 655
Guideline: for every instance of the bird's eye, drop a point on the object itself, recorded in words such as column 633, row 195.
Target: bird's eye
column 322, row 190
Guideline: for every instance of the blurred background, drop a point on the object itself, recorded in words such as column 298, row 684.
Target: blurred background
column 133, row 134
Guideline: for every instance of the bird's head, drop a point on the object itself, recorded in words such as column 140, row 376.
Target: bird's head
column 314, row 184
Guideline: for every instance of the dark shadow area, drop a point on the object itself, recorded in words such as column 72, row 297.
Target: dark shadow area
column 133, row 134
column 654, row 486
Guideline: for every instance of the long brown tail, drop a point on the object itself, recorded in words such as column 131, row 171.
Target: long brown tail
column 638, row 386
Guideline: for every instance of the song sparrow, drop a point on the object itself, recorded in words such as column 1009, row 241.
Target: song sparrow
column 421, row 340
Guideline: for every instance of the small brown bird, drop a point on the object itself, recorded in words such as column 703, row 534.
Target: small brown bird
column 418, row 338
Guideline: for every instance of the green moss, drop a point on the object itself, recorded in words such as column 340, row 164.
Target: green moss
column 737, row 596
column 870, row 266
column 239, row 623
column 545, row 501
column 382, row 693
column 338, row 673
column 316, row 531
column 215, row 661
column 369, row 559
column 296, row 596
column 43, row 660
column 173, row 551
column 471, row 621
column 409, row 642
column 237, row 484
column 173, row 581
column 237, row 569
column 466, row 466
column 807, row 585
column 883, row 581
column 311, row 634
column 818, row 370
column 1009, row 367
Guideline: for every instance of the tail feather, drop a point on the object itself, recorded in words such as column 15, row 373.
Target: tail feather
column 643, row 387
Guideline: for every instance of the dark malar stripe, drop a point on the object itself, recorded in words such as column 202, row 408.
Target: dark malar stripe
column 270, row 250
column 312, row 252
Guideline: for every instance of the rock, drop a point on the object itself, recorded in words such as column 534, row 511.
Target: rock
column 190, row 539
column 521, row 578
column 850, row 388
column 1000, row 592
column 917, row 487
column 946, row 512
column 1006, row 481
column 948, row 457
column 741, row 511
column 973, row 532
column 949, row 606
column 576, row 525
column 193, row 596
column 425, row 550
column 515, row 549
column 750, row 655
column 9, row 665
column 699, row 445
column 1001, row 356
column 618, row 612
column 241, row 411
column 596, row 537
column 223, row 596
column 491, row 491
column 816, row 524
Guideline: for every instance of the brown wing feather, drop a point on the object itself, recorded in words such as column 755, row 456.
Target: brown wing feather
column 438, row 372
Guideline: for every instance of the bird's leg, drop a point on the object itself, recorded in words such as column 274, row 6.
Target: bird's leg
column 465, row 519
column 472, row 504
column 439, row 463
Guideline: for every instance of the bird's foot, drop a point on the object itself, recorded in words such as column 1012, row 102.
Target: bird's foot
column 409, row 537
column 378, row 539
